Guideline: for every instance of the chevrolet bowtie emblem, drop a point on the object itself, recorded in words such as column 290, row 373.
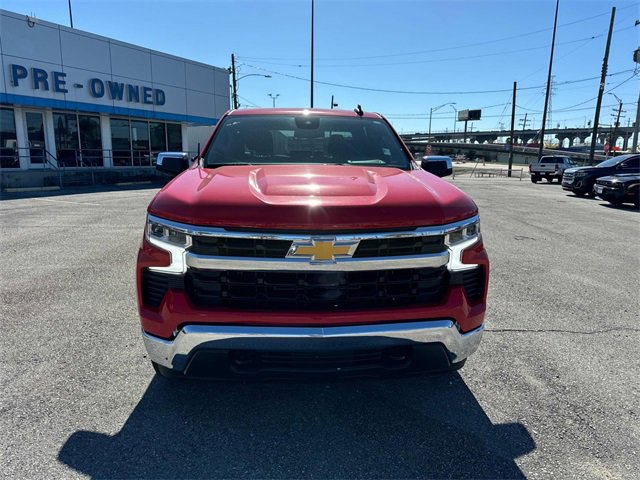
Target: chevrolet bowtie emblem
column 322, row 250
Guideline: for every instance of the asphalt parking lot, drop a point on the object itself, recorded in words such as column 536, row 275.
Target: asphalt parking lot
column 553, row 391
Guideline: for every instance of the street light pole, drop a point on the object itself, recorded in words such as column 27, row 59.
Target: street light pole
column 273, row 97
column 455, row 117
column 236, row 80
column 435, row 109
column 430, row 113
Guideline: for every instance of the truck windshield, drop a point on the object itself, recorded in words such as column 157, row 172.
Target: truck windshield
column 610, row 163
column 303, row 139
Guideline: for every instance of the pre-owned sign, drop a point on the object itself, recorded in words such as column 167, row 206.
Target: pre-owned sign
column 57, row 82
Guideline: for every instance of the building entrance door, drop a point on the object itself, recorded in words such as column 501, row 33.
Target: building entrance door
column 35, row 135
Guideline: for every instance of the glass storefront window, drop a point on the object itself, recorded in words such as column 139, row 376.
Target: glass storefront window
column 121, row 142
column 90, row 140
column 174, row 137
column 8, row 140
column 35, row 136
column 67, row 142
column 78, row 140
column 158, row 137
column 137, row 142
column 140, row 143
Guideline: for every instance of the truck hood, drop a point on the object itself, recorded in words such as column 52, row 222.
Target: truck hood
column 575, row 169
column 621, row 177
column 310, row 198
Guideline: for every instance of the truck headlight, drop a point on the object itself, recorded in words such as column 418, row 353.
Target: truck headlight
column 458, row 241
column 463, row 234
column 165, row 236
column 164, row 233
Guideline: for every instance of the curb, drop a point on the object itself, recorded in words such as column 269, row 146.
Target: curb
column 31, row 189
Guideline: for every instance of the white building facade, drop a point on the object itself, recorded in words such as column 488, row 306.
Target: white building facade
column 72, row 99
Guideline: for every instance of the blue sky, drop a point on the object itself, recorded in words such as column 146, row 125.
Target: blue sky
column 399, row 58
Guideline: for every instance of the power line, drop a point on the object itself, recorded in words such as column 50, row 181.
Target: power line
column 424, row 117
column 440, row 60
column 249, row 102
column 407, row 92
column 444, row 49
column 635, row 74
column 486, row 107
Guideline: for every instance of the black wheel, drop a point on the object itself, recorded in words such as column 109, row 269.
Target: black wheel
column 535, row 178
column 559, row 179
column 549, row 179
column 165, row 372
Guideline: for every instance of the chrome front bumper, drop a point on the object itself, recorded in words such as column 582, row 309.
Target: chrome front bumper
column 175, row 354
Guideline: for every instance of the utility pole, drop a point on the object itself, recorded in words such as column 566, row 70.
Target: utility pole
column 636, row 129
column 524, row 123
column 546, row 96
column 333, row 103
column 312, row 12
column 70, row 15
column 603, row 80
column 513, row 121
column 614, row 135
column 234, row 85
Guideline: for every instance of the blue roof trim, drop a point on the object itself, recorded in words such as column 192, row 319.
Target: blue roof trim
column 94, row 108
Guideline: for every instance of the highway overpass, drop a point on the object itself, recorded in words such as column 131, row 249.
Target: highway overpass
column 566, row 136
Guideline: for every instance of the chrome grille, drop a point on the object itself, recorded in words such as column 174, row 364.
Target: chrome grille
column 272, row 248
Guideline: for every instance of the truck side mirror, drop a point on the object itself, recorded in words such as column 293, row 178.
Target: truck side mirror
column 440, row 166
column 172, row 163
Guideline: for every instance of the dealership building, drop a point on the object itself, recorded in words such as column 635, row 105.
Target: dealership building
column 72, row 100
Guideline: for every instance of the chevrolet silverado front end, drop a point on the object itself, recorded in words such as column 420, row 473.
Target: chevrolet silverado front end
column 308, row 242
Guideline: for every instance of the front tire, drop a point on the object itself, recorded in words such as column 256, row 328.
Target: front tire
column 535, row 178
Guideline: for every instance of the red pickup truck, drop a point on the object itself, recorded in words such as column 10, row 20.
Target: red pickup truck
column 309, row 242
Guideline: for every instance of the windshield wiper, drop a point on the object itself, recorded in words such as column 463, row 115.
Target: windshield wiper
column 226, row 164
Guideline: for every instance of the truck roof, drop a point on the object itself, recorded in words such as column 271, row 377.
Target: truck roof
column 298, row 111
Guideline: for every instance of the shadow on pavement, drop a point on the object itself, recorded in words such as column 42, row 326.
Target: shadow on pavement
column 624, row 206
column 581, row 197
column 426, row 427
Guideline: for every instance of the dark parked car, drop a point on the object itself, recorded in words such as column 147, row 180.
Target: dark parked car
column 581, row 180
column 617, row 189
